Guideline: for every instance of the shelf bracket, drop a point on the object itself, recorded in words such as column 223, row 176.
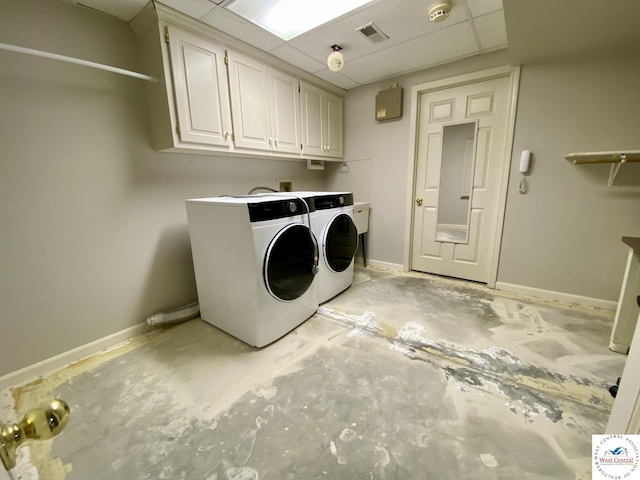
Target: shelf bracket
column 614, row 169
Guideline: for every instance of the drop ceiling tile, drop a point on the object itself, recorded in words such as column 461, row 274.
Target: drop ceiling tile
column 337, row 78
column 492, row 30
column 400, row 20
column 193, row 8
column 235, row 26
column 482, row 7
column 123, row 9
column 446, row 45
column 297, row 58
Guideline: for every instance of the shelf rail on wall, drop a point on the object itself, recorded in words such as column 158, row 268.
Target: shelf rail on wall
column 616, row 159
column 77, row 61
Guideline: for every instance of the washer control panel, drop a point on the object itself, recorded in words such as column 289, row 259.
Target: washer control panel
column 273, row 209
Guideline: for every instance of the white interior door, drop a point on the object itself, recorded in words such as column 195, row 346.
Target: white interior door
column 486, row 103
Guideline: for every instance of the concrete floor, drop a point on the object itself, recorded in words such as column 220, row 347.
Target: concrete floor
column 400, row 377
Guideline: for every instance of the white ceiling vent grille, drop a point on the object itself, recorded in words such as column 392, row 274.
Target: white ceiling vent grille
column 372, row 32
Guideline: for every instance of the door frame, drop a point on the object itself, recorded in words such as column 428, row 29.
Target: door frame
column 514, row 81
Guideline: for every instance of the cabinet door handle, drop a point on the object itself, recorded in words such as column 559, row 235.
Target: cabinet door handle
column 227, row 135
column 275, row 142
column 270, row 140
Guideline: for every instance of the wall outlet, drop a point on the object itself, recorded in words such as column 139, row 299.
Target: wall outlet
column 285, row 185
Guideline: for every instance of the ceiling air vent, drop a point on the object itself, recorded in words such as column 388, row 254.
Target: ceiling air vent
column 372, row 32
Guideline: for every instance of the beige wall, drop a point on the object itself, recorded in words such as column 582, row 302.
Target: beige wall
column 564, row 234
column 94, row 236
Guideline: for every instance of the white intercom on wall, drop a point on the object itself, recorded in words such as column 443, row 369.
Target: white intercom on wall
column 525, row 160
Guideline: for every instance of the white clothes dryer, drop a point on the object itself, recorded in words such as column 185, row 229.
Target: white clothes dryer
column 255, row 260
column 337, row 239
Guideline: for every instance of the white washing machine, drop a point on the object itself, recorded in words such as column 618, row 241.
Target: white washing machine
column 337, row 239
column 255, row 261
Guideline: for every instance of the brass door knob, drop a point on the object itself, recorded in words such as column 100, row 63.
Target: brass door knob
column 419, row 201
column 39, row 424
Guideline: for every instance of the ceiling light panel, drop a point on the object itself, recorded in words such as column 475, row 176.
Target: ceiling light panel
column 290, row 18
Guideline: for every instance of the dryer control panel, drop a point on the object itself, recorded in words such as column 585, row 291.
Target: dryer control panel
column 333, row 200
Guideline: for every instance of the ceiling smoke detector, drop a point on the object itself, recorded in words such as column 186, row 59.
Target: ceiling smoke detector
column 439, row 11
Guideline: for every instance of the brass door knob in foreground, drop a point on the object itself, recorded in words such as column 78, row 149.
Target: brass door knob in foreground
column 39, row 424
column 419, row 201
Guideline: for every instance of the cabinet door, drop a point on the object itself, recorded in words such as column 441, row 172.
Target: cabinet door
column 200, row 88
column 249, row 84
column 334, row 130
column 285, row 111
column 311, row 99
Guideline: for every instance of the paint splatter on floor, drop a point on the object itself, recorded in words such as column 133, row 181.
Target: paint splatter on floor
column 443, row 381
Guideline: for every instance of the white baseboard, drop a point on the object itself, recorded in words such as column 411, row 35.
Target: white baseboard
column 45, row 367
column 396, row 267
column 557, row 296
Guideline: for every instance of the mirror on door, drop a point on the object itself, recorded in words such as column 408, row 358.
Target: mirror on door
column 456, row 182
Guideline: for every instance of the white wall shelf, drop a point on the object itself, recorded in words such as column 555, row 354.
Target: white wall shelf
column 616, row 159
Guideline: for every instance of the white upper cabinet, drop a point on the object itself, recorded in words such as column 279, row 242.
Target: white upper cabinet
column 218, row 95
column 322, row 130
column 335, row 137
column 200, row 88
column 249, row 102
column 284, row 102
column 312, row 129
column 265, row 106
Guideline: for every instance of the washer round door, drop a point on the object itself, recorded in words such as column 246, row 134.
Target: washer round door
column 340, row 242
column 288, row 264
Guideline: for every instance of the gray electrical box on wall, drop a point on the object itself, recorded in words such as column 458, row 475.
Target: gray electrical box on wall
column 389, row 103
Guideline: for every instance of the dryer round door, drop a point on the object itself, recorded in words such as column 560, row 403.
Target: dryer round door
column 340, row 242
column 288, row 263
